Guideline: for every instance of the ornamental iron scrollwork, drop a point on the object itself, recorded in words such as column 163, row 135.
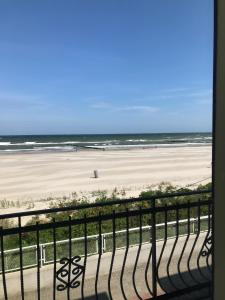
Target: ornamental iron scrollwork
column 69, row 273
column 207, row 248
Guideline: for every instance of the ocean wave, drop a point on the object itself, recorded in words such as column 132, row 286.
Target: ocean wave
column 54, row 148
column 148, row 145
column 120, row 141
column 26, row 144
column 17, row 150
column 56, row 143
column 104, row 146
column 38, row 149
column 139, row 140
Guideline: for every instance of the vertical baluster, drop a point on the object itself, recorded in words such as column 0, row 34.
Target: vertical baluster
column 198, row 213
column 70, row 257
column 173, row 248
column 85, row 256
column 211, row 252
column 138, row 254
column 113, row 255
column 163, row 247
column 202, row 249
column 184, row 246
column 154, row 259
column 99, row 254
column 210, row 232
column 38, row 261
column 54, row 260
column 21, row 259
column 149, row 259
column 125, row 256
column 3, row 264
column 193, row 246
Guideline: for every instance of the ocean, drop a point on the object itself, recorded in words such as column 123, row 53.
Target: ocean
column 48, row 143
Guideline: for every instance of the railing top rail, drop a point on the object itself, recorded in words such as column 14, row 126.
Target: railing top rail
column 102, row 217
column 99, row 204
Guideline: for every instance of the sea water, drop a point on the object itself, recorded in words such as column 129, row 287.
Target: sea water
column 38, row 143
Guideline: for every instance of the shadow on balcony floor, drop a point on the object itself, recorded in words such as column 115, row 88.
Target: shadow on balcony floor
column 102, row 296
column 191, row 287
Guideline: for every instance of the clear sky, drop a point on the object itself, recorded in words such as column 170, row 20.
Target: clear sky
column 105, row 66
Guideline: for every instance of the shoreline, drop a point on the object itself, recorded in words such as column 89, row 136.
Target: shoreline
column 103, row 148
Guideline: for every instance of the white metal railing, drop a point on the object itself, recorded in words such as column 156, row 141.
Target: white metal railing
column 46, row 250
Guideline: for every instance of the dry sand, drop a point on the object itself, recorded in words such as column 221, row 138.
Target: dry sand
column 31, row 177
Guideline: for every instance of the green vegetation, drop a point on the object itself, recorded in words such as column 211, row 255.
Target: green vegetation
column 12, row 258
column 7, row 204
column 28, row 239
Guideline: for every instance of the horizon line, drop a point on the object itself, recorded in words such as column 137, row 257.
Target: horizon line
column 123, row 133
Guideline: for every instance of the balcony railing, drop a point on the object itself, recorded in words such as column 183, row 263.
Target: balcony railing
column 146, row 248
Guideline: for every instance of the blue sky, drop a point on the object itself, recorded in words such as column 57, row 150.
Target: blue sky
column 97, row 66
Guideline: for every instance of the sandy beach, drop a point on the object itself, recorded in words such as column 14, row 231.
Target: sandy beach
column 32, row 178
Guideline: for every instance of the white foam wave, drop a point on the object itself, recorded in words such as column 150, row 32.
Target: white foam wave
column 38, row 149
column 139, row 140
column 55, row 143
column 148, row 145
column 56, row 148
